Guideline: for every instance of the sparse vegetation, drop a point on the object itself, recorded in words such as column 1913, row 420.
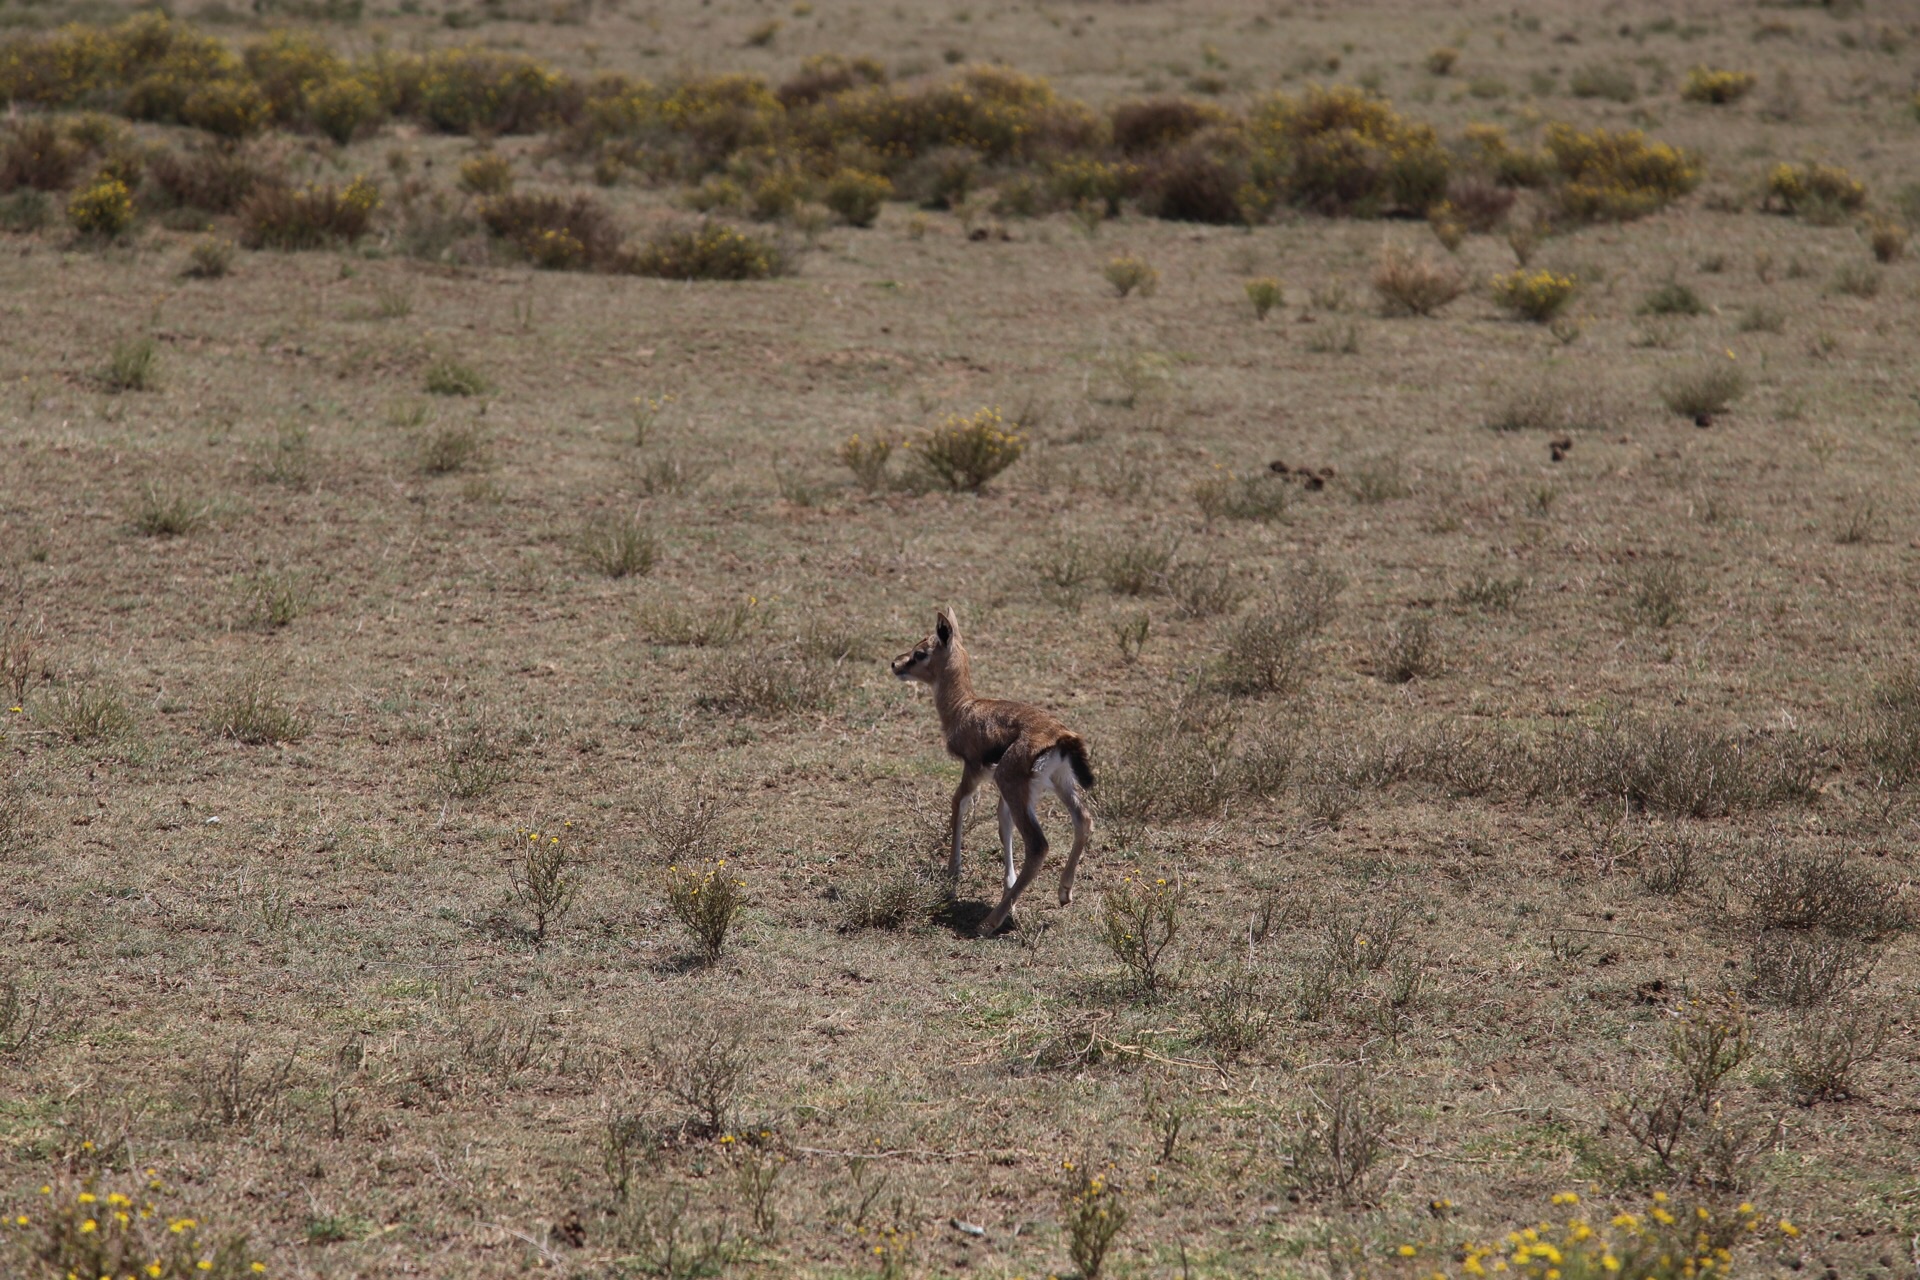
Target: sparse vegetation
column 618, row 547
column 1707, row 388
column 133, row 366
column 252, row 710
column 1619, row 900
column 1265, row 294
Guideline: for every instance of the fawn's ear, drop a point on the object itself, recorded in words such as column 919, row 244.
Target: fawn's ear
column 945, row 627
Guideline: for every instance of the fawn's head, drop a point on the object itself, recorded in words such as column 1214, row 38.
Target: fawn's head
column 929, row 659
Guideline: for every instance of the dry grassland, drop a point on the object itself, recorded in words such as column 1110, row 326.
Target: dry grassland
column 1528, row 791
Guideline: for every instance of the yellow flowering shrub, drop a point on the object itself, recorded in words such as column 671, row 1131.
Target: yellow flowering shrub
column 856, row 196
column 867, row 458
column 1710, row 85
column 469, row 90
column 710, row 251
column 1087, row 181
column 709, row 118
column 1665, row 1241
column 1093, row 1215
column 1800, row 187
column 1338, row 150
column 1342, row 150
column 226, row 108
column 341, row 108
column 486, row 174
column 1138, row 923
column 1616, row 177
column 1538, row 296
column 706, row 901
column 965, row 452
column 78, row 1229
column 287, row 66
column 104, row 208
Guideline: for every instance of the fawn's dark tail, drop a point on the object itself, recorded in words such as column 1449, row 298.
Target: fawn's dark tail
column 1075, row 751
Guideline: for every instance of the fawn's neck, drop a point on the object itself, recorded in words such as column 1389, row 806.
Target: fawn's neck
column 953, row 691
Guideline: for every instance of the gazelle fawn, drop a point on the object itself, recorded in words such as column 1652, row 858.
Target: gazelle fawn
column 1027, row 749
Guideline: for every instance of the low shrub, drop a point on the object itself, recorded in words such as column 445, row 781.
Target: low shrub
column 486, row 174
column 1408, row 650
column 867, row 458
column 344, row 108
column 1615, row 84
column 766, row 683
column 26, row 210
column 226, row 108
column 1093, row 1216
column 1673, row 299
column 1711, row 85
column 36, row 154
column 1340, row 150
column 706, row 901
column 447, row 376
column 1408, row 284
column 1707, row 388
column 711, row 251
column 1857, row 280
column 1265, row 294
column 1479, row 205
column 856, row 196
column 312, row 217
column 618, row 547
column 1138, row 923
column 1538, row 296
column 1256, row 495
column 1814, row 188
column 217, row 179
column 1890, row 736
column 965, row 452
column 1616, row 177
column 1825, row 1051
column 1267, row 650
column 1551, row 402
column 88, row 1228
column 103, row 209
column 1887, row 239
column 209, row 259
column 1204, row 179
column 1805, row 969
column 251, row 710
column 133, row 365
column 1130, row 274
column 1147, row 125
column 556, row 233
column 899, row 895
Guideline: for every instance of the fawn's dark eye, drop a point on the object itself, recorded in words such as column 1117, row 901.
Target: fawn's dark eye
column 919, row 655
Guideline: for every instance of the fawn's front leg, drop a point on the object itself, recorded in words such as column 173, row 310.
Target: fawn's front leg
column 962, row 804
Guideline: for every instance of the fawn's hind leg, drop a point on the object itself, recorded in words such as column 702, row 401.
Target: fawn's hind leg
column 1069, row 793
column 1016, row 793
column 1006, row 839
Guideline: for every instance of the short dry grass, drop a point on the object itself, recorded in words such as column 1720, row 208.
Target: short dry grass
column 1481, row 814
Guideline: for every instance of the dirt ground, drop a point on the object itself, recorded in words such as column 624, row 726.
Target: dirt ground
column 296, row 979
